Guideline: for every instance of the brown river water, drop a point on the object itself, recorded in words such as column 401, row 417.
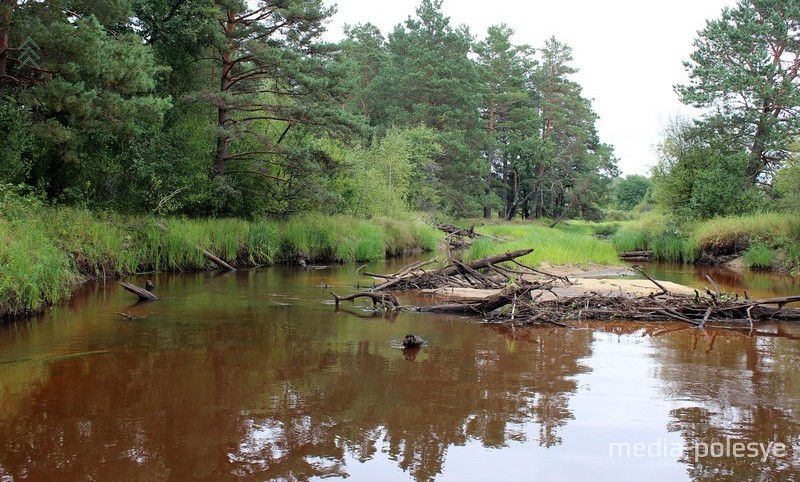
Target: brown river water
column 255, row 375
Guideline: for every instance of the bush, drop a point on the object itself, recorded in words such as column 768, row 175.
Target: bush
column 758, row 256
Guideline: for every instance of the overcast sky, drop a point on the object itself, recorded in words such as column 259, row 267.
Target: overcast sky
column 629, row 52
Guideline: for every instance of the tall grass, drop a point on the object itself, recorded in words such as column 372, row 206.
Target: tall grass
column 43, row 251
column 33, row 270
column 553, row 246
column 627, row 239
column 734, row 233
column 762, row 238
column 758, row 256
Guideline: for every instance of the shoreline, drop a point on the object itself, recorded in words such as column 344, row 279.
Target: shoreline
column 50, row 251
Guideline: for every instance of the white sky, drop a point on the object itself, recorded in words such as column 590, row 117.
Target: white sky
column 629, row 52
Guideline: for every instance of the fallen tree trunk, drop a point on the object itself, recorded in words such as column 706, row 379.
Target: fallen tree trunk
column 636, row 254
column 484, row 306
column 485, row 262
column 142, row 293
column 456, row 231
column 216, row 260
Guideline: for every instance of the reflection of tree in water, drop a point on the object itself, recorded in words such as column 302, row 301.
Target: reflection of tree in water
column 748, row 391
column 278, row 400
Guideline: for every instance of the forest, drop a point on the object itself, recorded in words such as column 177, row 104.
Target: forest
column 123, row 110
column 223, row 108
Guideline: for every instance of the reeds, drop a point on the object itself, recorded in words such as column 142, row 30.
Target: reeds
column 43, row 252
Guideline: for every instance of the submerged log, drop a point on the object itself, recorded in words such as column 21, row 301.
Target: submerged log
column 142, row 293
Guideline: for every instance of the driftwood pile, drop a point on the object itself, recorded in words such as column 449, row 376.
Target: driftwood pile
column 518, row 297
column 460, row 238
column 696, row 311
column 486, row 273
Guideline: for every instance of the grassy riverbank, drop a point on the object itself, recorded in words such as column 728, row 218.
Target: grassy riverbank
column 570, row 243
column 48, row 250
column 764, row 240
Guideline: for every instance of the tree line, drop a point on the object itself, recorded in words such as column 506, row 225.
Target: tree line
column 228, row 107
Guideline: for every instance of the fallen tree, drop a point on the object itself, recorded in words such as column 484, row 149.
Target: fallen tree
column 388, row 301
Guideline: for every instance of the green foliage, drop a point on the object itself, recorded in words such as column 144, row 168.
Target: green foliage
column 758, row 256
column 281, row 88
column 390, row 177
column 47, row 249
column 17, row 128
column 674, row 248
column 735, row 233
column 654, row 232
column 787, row 184
column 428, row 79
column 738, row 73
column 504, row 70
column 722, row 236
column 700, row 177
column 631, row 190
column 32, row 268
column 628, row 239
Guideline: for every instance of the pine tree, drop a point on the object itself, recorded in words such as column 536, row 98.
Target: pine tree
column 429, row 80
column 745, row 70
column 504, row 72
column 274, row 76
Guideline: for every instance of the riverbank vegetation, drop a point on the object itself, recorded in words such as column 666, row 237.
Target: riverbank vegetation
column 567, row 244
column 727, row 183
column 47, row 250
column 767, row 240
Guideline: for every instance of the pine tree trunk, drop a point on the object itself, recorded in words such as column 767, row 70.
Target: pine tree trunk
column 487, row 209
column 6, row 8
column 506, row 191
column 223, row 111
column 759, row 144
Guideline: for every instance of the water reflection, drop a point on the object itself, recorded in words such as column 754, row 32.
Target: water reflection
column 256, row 376
column 743, row 389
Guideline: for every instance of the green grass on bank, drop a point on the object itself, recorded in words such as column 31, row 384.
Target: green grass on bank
column 44, row 250
column 763, row 239
column 570, row 243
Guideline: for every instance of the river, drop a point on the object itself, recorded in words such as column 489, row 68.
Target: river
column 255, row 375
